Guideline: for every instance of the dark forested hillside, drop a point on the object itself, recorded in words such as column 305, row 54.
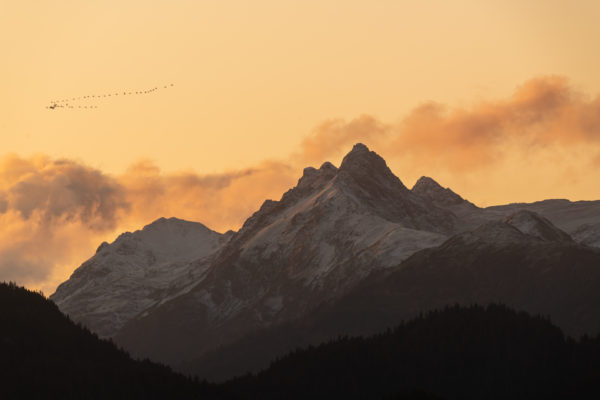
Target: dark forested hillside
column 45, row 355
column 458, row 353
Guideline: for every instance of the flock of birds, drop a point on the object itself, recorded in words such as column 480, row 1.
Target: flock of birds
column 69, row 103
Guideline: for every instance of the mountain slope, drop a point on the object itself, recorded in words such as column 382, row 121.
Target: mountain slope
column 136, row 271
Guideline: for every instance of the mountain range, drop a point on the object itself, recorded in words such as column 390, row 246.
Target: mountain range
column 348, row 250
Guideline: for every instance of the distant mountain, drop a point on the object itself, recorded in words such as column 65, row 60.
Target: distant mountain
column 458, row 353
column 176, row 290
column 565, row 214
column 539, row 270
column 137, row 271
column 45, row 355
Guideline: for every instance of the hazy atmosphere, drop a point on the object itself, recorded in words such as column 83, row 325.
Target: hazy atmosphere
column 499, row 100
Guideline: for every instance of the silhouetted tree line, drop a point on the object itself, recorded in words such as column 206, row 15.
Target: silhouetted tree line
column 43, row 354
column 458, row 353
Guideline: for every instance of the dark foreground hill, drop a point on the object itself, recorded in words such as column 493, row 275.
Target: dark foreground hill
column 45, row 355
column 457, row 353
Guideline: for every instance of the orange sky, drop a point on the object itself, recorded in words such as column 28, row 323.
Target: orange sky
column 496, row 99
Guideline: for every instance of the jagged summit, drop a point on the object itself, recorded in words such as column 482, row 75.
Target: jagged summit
column 533, row 224
column 362, row 182
column 365, row 166
column 313, row 178
column 429, row 189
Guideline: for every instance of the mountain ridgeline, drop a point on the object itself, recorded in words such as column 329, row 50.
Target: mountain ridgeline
column 348, row 250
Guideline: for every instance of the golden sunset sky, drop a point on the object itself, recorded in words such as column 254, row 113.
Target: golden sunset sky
column 496, row 99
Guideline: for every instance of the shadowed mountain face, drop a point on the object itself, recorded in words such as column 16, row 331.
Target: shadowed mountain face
column 192, row 290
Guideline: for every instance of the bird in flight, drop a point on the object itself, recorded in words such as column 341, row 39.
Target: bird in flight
column 66, row 102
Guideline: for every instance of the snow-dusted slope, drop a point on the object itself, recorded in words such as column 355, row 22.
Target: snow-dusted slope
column 360, row 213
column 135, row 272
column 322, row 238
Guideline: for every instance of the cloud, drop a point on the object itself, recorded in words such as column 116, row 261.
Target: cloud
column 47, row 191
column 221, row 201
column 542, row 112
column 53, row 213
column 332, row 138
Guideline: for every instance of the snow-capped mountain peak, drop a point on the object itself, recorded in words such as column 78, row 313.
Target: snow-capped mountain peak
column 520, row 227
column 136, row 271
